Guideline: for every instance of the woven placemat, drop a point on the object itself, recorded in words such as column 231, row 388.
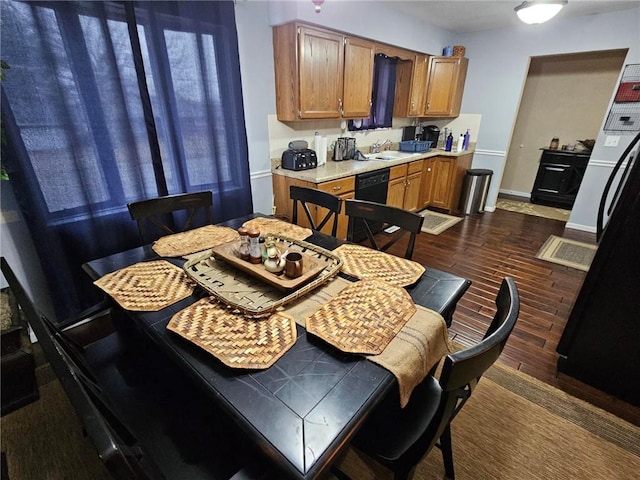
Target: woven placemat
column 274, row 226
column 363, row 318
column 236, row 341
column 193, row 241
column 147, row 286
column 365, row 263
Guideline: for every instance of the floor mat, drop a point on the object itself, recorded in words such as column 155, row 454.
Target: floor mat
column 435, row 223
column 527, row 208
column 567, row 252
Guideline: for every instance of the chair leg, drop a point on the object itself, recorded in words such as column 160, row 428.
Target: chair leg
column 447, row 453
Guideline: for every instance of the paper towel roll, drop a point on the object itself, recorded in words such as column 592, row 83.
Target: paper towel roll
column 320, row 146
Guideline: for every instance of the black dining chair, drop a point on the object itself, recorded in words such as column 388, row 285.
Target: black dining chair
column 399, row 438
column 311, row 196
column 156, row 426
column 169, row 214
column 372, row 213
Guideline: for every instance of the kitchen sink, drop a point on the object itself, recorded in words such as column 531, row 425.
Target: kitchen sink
column 389, row 155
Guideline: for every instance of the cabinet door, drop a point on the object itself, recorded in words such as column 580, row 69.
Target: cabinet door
column 445, row 84
column 358, row 77
column 412, row 192
column 397, row 184
column 443, row 172
column 344, row 188
column 395, row 193
column 411, row 83
column 321, row 65
column 418, row 85
column 426, row 190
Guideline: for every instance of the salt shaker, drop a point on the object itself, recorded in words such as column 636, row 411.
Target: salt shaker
column 244, row 243
column 255, row 256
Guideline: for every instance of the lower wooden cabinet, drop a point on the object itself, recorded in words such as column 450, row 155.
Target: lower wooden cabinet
column 447, row 175
column 342, row 187
column 345, row 189
column 405, row 182
column 433, row 182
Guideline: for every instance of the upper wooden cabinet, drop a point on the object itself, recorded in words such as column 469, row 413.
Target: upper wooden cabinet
column 358, row 77
column 445, row 84
column 411, row 84
column 321, row 73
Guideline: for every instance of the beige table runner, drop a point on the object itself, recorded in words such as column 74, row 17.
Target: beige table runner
column 409, row 356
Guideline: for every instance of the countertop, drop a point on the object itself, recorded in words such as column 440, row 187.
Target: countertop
column 334, row 170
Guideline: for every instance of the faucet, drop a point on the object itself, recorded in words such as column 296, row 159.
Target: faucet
column 376, row 146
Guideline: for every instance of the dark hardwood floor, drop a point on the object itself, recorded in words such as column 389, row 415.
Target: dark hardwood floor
column 487, row 247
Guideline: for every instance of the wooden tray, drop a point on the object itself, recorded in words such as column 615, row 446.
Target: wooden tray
column 310, row 267
column 250, row 294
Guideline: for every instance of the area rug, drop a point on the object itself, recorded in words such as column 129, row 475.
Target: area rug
column 534, row 209
column 515, row 427
column 435, row 223
column 567, row 252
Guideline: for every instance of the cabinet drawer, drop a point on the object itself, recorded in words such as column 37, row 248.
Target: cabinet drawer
column 415, row 167
column 339, row 186
column 399, row 171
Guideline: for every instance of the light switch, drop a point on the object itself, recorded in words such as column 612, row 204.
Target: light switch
column 611, row 140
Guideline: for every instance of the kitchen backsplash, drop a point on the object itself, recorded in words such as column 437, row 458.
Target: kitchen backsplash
column 280, row 134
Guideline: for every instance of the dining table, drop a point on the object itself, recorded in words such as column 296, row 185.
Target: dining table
column 301, row 411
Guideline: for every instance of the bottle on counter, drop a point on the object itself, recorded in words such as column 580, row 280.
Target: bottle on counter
column 555, row 143
column 465, row 144
column 449, row 143
column 460, row 143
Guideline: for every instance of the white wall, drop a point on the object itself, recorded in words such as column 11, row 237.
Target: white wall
column 498, row 65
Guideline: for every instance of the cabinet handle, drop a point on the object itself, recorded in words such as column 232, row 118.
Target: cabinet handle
column 335, row 189
column 554, row 169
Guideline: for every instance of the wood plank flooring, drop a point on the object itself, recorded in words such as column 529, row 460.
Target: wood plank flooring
column 487, row 247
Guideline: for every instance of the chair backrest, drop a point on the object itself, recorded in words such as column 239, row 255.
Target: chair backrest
column 305, row 196
column 462, row 370
column 115, row 444
column 372, row 213
column 161, row 216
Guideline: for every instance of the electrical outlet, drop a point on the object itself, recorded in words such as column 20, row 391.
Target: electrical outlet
column 611, row 140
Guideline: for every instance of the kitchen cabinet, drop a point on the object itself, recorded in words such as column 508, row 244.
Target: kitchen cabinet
column 342, row 187
column 445, row 85
column 447, row 175
column 411, row 83
column 559, row 177
column 321, row 73
column 426, row 190
column 405, row 183
column 345, row 189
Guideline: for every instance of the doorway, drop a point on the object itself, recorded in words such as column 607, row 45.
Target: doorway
column 565, row 96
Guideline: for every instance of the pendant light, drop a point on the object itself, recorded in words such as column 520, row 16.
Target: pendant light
column 318, row 4
column 539, row 11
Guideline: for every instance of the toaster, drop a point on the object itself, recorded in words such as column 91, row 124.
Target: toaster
column 299, row 159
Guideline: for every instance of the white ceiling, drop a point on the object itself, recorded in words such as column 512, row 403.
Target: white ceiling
column 463, row 16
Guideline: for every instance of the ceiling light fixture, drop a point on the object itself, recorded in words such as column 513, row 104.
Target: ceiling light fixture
column 318, row 4
column 539, row 11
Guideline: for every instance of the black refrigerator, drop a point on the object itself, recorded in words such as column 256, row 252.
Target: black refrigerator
column 600, row 344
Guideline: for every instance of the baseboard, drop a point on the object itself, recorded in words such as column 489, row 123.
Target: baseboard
column 515, row 193
column 583, row 228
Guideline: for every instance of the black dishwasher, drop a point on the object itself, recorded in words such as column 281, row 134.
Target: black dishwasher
column 371, row 186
